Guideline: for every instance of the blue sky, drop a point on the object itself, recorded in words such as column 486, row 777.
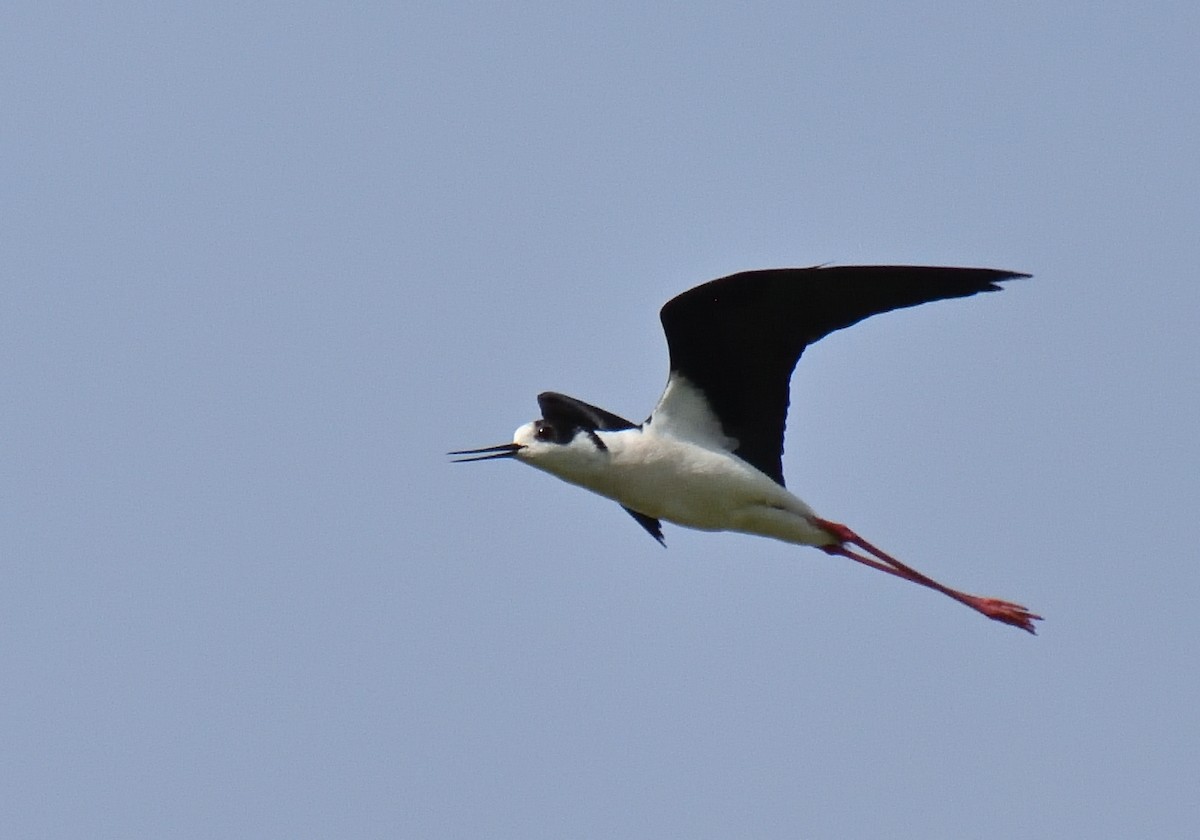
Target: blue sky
column 265, row 265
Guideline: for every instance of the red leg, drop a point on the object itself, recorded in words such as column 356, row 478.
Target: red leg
column 993, row 608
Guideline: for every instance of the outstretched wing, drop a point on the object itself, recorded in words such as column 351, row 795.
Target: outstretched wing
column 735, row 341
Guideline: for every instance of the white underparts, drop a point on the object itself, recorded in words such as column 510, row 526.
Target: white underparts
column 681, row 481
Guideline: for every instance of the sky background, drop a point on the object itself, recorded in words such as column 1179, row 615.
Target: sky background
column 264, row 264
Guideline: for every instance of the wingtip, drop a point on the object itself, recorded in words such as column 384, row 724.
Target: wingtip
column 1004, row 277
column 1014, row 275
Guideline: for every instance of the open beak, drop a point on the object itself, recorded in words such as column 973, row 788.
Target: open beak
column 504, row 450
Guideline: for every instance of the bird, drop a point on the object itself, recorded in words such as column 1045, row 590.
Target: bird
column 710, row 455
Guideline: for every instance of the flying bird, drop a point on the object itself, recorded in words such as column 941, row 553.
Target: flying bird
column 709, row 456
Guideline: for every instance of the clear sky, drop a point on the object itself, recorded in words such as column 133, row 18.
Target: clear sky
column 264, row 264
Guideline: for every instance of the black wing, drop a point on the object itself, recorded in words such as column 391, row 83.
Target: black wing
column 738, row 338
column 653, row 526
column 570, row 414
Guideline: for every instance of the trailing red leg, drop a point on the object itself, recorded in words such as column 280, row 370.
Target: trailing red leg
column 994, row 608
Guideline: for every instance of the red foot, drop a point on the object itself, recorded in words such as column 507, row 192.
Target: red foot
column 1003, row 611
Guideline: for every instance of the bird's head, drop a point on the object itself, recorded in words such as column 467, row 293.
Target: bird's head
column 563, row 441
column 534, row 440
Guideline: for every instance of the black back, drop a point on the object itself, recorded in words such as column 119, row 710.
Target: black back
column 738, row 338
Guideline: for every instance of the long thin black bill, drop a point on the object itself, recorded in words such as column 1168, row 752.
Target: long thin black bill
column 504, row 450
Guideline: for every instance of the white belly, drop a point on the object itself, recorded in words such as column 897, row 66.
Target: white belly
column 695, row 487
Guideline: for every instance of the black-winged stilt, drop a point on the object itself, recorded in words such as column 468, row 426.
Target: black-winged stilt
column 710, row 454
